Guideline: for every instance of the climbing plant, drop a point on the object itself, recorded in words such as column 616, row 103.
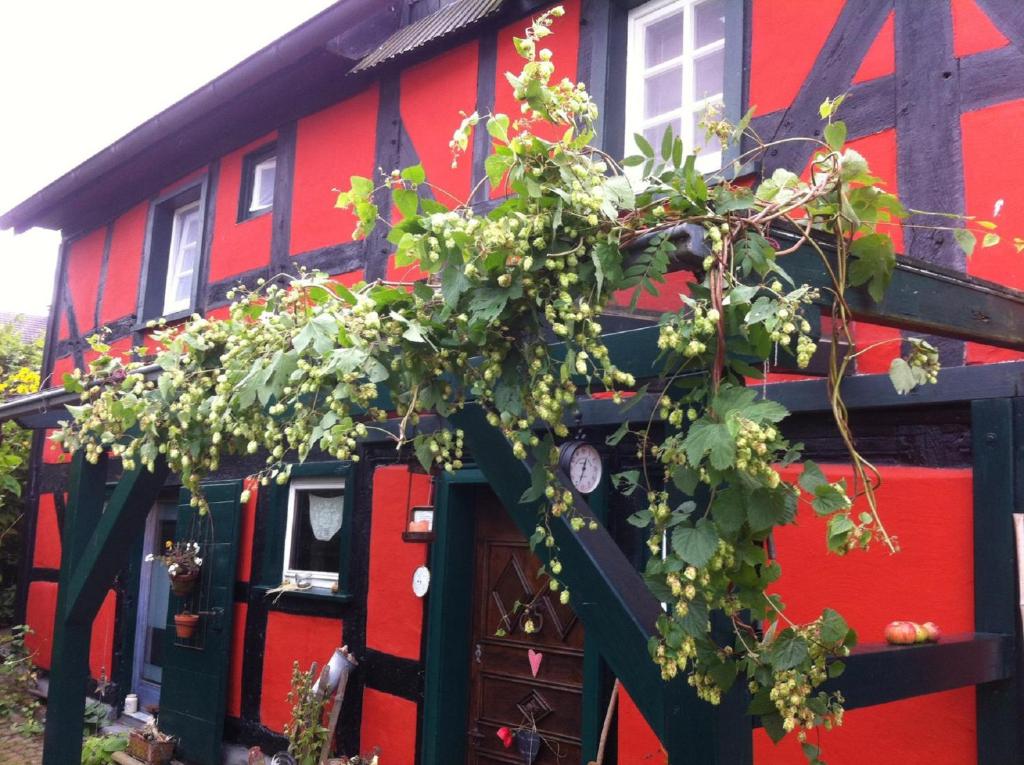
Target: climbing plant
column 306, row 365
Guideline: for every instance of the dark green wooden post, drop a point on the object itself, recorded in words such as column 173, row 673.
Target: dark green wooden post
column 94, row 542
column 69, row 667
column 997, row 427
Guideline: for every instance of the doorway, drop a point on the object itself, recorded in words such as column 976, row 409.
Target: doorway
column 151, row 615
column 460, row 715
column 526, row 660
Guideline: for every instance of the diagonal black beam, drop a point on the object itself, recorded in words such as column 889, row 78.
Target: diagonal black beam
column 1007, row 17
column 833, row 71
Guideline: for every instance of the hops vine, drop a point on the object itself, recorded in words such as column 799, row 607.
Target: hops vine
column 306, row 365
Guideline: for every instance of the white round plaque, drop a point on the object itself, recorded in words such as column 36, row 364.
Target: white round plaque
column 421, row 581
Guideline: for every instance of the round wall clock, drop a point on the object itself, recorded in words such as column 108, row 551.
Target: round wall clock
column 582, row 463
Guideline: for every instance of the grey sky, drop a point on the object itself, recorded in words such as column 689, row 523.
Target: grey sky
column 75, row 76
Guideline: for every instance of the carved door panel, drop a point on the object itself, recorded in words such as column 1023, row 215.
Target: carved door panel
column 503, row 690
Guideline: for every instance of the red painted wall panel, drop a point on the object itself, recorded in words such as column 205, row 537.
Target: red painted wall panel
column 637, row 742
column 101, row 648
column 234, row 702
column 331, row 146
column 432, row 96
column 291, row 638
column 120, row 291
column 237, row 247
column 246, row 533
column 930, row 579
column 39, row 615
column 973, row 30
column 564, row 44
column 84, row 259
column 390, row 723
column 776, row 79
column 394, row 615
column 39, row 612
column 993, row 161
column 47, row 547
column 880, row 60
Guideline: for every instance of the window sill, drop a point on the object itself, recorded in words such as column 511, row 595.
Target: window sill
column 313, row 594
column 171, row 318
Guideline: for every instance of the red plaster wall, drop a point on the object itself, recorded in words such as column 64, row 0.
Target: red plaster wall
column 291, row 638
column 234, row 702
column 47, row 547
column 245, row 536
column 993, row 162
column 331, row 146
column 390, row 723
column 564, row 44
column 432, row 96
column 637, row 742
column 929, row 580
column 39, row 615
column 39, row 612
column 84, row 259
column 880, row 59
column 120, row 291
column 777, row 26
column 973, row 31
column 394, row 615
column 237, row 247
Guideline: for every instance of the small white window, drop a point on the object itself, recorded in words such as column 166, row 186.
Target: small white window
column 312, row 540
column 675, row 71
column 182, row 258
column 263, row 184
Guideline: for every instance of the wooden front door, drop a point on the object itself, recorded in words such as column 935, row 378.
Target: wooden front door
column 503, row 690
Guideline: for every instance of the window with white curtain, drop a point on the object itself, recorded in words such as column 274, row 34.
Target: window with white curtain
column 675, row 72
column 312, row 545
column 263, row 184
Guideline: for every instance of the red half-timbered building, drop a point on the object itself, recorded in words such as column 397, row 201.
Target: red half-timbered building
column 238, row 181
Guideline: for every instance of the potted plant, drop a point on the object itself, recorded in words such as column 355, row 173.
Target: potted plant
column 185, row 624
column 183, row 565
column 150, row 746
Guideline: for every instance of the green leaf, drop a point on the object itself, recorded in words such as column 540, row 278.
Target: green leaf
column 497, row 127
column 789, row 650
column 406, row 200
column 812, row 477
column 966, row 239
column 641, row 143
column 496, row 167
column 729, row 510
column 538, row 480
column 453, row 283
column 421, row 445
column 641, row 519
column 772, row 724
column 873, row 261
column 835, row 135
column 833, row 627
column 705, row 436
column 696, row 545
column 414, row 174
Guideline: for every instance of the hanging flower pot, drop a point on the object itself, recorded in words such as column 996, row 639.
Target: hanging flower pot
column 183, row 583
column 528, row 745
column 185, row 625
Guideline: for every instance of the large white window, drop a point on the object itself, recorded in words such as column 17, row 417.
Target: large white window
column 182, row 258
column 675, row 71
column 312, row 544
column 263, row 185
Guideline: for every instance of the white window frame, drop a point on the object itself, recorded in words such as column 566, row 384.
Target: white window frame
column 321, row 579
column 175, row 260
column 636, row 73
column 257, row 184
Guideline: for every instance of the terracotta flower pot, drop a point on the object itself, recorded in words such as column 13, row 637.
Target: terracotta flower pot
column 185, row 625
column 183, row 584
column 149, row 752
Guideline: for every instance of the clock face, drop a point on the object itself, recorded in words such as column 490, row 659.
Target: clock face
column 585, row 468
column 421, row 581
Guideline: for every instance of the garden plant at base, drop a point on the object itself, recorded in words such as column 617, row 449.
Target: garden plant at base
column 306, row 365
